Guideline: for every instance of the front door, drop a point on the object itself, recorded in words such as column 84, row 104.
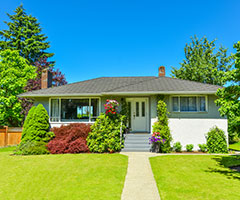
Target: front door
column 139, row 114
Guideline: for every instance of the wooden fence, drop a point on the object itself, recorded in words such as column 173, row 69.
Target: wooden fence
column 10, row 136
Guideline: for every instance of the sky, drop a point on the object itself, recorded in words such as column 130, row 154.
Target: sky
column 93, row 39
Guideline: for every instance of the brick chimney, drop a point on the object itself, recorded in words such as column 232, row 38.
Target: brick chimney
column 46, row 80
column 161, row 71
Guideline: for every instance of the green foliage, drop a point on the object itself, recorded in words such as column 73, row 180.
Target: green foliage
column 14, row 75
column 228, row 99
column 31, row 148
column 105, row 134
column 125, row 110
column 161, row 126
column 216, row 141
column 203, row 147
column 203, row 63
column 36, row 126
column 177, row 147
column 189, row 147
column 24, row 34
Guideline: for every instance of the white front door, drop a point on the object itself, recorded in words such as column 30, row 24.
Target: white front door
column 139, row 114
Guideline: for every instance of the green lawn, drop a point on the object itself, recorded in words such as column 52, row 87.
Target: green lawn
column 69, row 176
column 196, row 177
column 235, row 146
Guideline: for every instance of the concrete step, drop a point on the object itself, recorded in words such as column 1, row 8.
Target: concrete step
column 136, row 142
column 136, row 150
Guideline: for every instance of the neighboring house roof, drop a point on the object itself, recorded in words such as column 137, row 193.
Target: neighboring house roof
column 126, row 85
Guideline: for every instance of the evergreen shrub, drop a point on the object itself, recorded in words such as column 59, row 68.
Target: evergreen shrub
column 161, row 126
column 216, row 141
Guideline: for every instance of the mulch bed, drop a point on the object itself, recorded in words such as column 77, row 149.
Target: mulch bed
column 237, row 168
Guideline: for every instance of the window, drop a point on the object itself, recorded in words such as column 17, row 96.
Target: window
column 189, row 104
column 137, row 109
column 82, row 110
column 143, row 109
column 54, row 117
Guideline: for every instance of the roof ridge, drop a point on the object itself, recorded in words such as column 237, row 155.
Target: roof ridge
column 153, row 77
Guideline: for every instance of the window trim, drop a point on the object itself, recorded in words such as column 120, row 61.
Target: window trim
column 60, row 104
column 171, row 103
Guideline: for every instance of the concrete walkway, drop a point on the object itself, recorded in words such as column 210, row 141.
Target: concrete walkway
column 139, row 183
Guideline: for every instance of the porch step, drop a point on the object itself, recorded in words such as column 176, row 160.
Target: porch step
column 137, row 143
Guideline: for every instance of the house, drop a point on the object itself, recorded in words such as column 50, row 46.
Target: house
column 191, row 105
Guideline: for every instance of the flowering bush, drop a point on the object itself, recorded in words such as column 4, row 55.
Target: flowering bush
column 111, row 107
column 157, row 142
column 156, row 138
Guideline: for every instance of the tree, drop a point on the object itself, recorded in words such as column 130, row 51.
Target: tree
column 204, row 63
column 36, row 126
column 14, row 75
column 24, row 34
column 35, row 84
column 229, row 99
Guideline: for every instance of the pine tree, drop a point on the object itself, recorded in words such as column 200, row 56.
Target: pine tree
column 24, row 34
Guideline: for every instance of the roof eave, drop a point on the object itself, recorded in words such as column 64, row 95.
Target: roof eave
column 115, row 93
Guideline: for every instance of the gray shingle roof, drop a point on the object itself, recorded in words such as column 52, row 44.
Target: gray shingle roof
column 126, row 85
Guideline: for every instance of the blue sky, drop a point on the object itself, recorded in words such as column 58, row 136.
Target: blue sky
column 127, row 38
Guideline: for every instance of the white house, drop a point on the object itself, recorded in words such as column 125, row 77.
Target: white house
column 191, row 104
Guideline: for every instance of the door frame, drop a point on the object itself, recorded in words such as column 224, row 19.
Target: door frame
column 147, row 112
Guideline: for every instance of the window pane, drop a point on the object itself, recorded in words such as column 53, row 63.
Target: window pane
column 94, row 109
column 137, row 109
column 175, row 104
column 143, row 109
column 75, row 110
column 202, row 103
column 188, row 104
column 54, row 110
column 192, row 103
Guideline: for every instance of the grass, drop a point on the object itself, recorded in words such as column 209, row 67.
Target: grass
column 235, row 146
column 196, row 177
column 69, row 176
column 7, row 149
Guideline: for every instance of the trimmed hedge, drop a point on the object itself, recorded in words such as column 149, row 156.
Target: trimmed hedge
column 70, row 139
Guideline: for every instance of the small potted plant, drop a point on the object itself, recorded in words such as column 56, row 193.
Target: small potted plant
column 157, row 141
column 111, row 107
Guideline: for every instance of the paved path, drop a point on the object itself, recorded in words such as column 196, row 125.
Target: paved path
column 139, row 183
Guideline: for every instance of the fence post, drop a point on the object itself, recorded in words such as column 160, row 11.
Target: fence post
column 6, row 136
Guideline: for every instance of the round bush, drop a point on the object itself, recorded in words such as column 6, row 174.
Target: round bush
column 216, row 141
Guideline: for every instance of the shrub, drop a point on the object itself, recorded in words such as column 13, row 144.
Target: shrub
column 161, row 126
column 70, row 139
column 31, row 148
column 105, row 134
column 203, row 147
column 189, row 147
column 216, row 141
column 36, row 126
column 177, row 147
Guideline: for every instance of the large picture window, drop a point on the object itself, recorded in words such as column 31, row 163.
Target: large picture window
column 70, row 110
column 189, row 104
